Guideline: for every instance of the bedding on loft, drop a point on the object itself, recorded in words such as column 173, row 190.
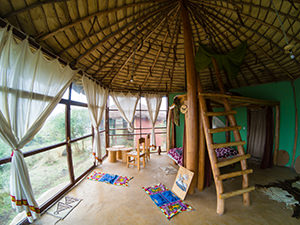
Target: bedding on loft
column 30, row 88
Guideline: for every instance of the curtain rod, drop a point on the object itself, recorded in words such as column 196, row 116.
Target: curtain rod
column 21, row 35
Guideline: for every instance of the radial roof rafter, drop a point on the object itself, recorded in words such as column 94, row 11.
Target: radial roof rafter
column 103, row 38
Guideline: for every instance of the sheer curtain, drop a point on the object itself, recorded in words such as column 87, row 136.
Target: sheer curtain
column 30, row 88
column 96, row 98
column 153, row 105
column 126, row 104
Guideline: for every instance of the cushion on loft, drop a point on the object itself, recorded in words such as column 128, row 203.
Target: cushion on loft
column 177, row 155
column 226, row 152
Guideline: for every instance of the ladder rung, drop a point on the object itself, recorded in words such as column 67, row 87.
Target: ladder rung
column 226, row 144
column 223, row 129
column 233, row 160
column 223, row 113
column 234, row 174
column 238, row 192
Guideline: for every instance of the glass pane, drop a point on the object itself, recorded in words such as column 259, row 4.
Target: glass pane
column 128, row 141
column 111, row 104
column 6, row 212
column 52, row 132
column 77, row 94
column 143, row 103
column 143, row 120
column 161, row 140
column 66, row 94
column 117, row 124
column 48, row 173
column 102, row 124
column 164, row 103
column 5, row 150
column 138, row 106
column 82, row 155
column 161, row 119
column 103, row 144
column 80, row 122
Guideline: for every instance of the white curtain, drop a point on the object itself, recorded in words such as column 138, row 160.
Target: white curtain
column 30, row 88
column 153, row 105
column 126, row 104
column 96, row 98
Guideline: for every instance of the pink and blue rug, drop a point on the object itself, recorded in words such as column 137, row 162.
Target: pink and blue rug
column 166, row 200
column 110, row 178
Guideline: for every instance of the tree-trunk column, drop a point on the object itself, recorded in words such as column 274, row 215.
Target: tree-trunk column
column 192, row 120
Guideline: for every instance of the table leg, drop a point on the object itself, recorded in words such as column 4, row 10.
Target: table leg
column 112, row 156
column 119, row 155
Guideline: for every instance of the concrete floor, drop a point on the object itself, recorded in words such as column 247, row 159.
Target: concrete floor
column 108, row 204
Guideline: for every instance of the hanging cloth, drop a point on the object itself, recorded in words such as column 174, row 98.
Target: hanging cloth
column 96, row 98
column 153, row 105
column 30, row 88
column 230, row 62
column 126, row 104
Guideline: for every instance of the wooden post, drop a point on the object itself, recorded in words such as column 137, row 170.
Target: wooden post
column 277, row 128
column 68, row 137
column 192, row 121
column 107, row 144
column 296, row 124
column 201, row 165
column 169, row 129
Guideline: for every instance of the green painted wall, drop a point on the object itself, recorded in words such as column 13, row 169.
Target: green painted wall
column 280, row 91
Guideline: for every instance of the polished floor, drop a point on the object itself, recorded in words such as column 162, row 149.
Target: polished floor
column 108, row 204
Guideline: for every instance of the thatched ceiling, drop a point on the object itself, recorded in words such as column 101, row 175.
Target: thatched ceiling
column 112, row 39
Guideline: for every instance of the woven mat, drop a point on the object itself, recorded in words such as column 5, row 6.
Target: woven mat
column 166, row 200
column 110, row 178
column 63, row 207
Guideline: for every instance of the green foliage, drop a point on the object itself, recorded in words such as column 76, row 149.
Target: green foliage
column 80, row 123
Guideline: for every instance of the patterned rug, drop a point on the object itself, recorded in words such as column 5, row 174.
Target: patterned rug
column 110, row 178
column 166, row 200
column 63, row 207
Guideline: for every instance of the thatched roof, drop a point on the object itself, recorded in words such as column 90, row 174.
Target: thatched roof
column 113, row 40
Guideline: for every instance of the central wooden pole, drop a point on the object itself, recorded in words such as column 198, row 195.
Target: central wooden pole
column 192, row 114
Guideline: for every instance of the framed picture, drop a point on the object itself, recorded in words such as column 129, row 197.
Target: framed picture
column 182, row 182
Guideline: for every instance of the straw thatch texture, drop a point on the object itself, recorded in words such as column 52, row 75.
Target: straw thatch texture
column 113, row 40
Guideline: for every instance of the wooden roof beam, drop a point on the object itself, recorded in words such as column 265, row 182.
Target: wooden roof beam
column 154, row 25
column 98, row 32
column 108, row 37
column 254, row 42
column 102, row 12
column 169, row 49
column 32, row 6
column 147, row 37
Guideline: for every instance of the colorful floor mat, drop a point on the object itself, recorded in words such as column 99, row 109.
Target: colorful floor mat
column 166, row 200
column 110, row 178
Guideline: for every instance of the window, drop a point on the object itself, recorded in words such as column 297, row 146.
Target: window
column 46, row 155
column 80, row 122
column 119, row 134
column 52, row 132
column 48, row 172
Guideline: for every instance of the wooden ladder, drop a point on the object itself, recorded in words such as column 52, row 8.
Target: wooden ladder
column 211, row 146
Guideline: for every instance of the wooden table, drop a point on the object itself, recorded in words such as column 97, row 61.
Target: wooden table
column 117, row 152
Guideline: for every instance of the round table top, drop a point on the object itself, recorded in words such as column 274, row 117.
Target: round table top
column 119, row 148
